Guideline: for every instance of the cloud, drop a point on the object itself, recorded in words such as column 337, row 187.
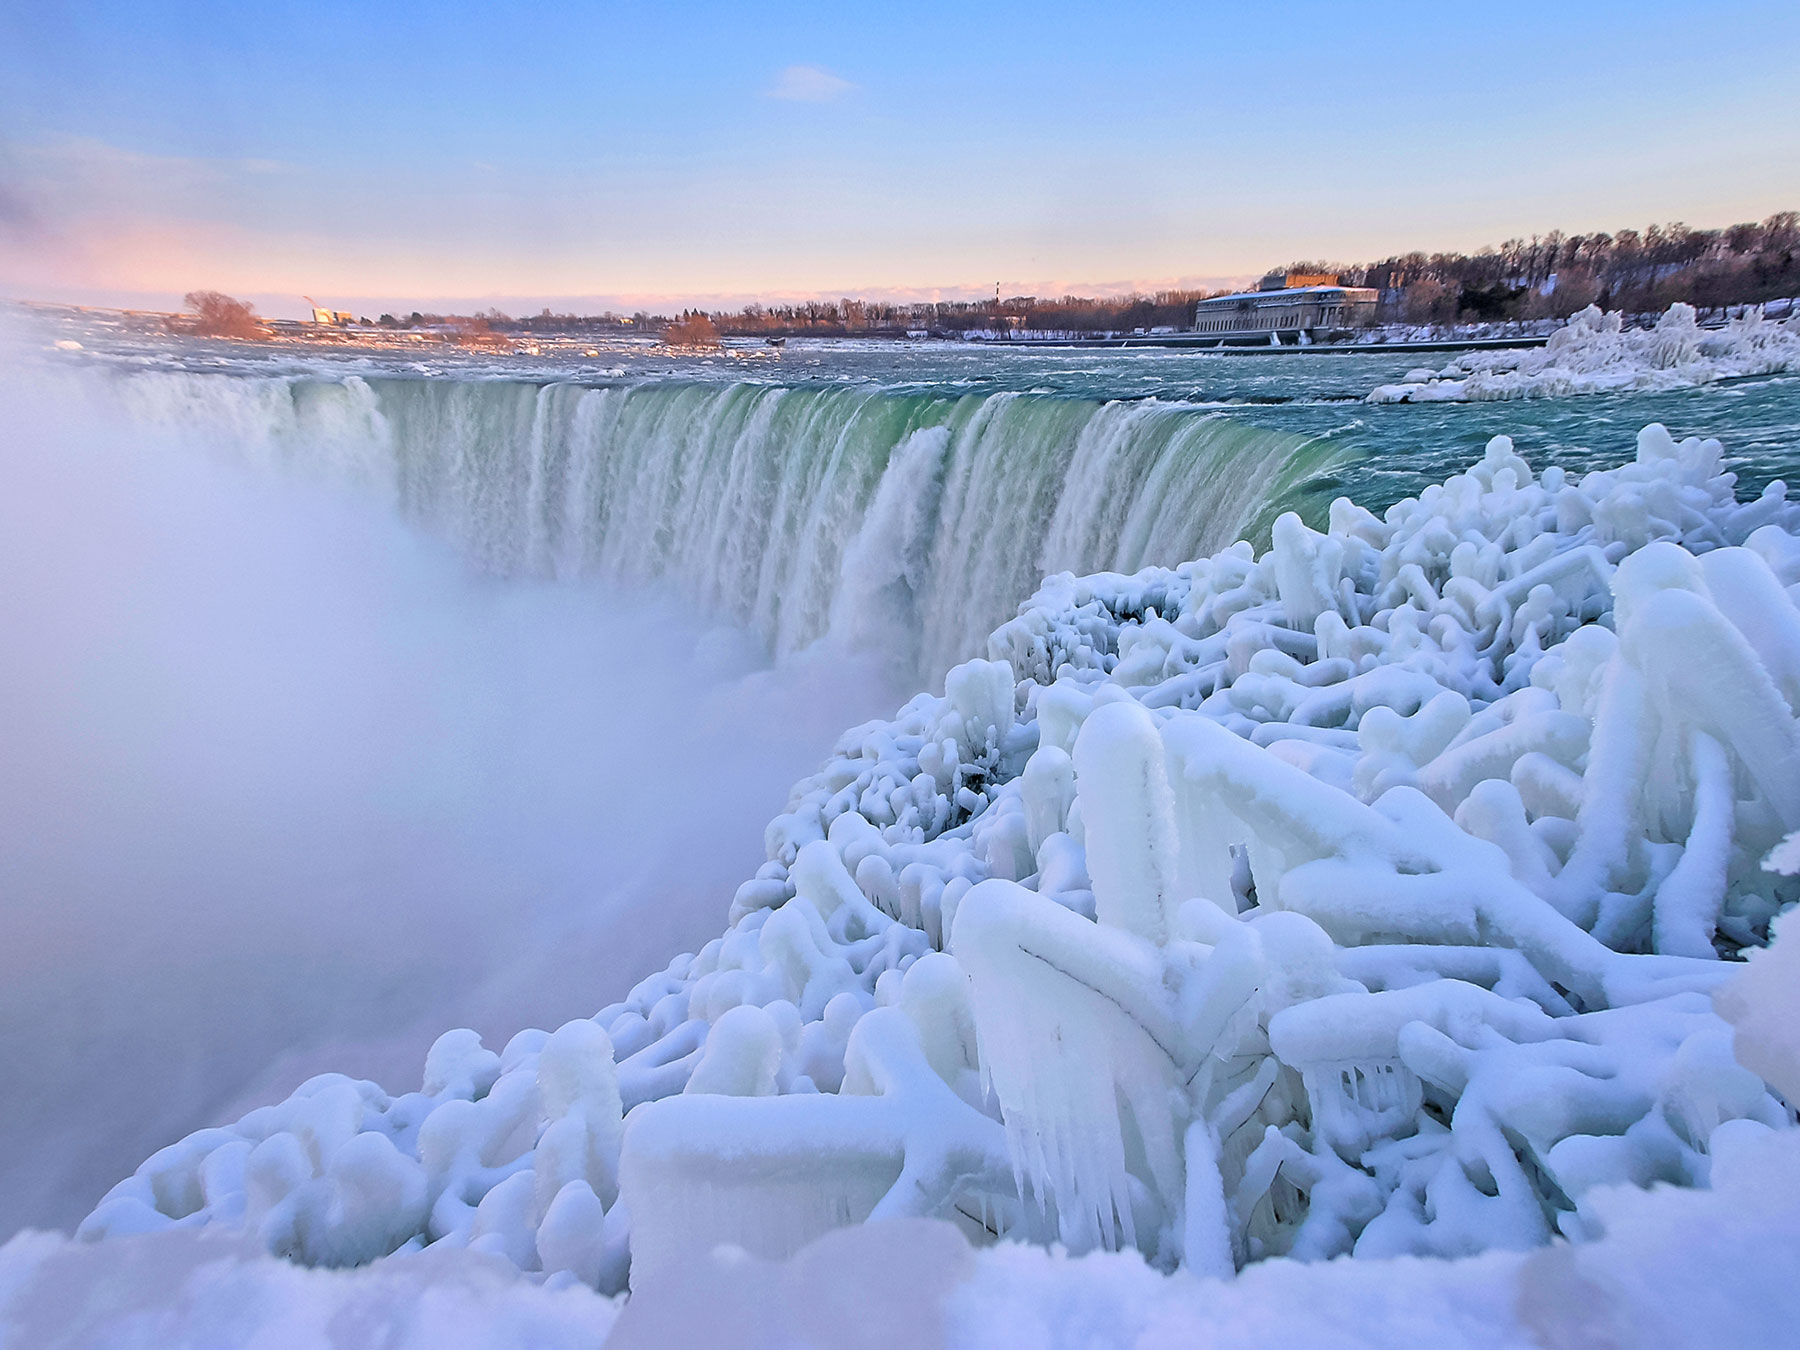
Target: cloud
column 809, row 84
column 89, row 160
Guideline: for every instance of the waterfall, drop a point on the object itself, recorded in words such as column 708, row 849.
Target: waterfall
column 914, row 519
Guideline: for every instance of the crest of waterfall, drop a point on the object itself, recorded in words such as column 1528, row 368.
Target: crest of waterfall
column 891, row 518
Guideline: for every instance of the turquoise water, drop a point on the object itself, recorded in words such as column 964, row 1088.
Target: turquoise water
column 910, row 493
column 1394, row 449
column 1398, row 449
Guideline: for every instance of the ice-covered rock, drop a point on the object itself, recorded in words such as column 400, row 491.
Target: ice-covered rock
column 1365, row 897
column 1595, row 354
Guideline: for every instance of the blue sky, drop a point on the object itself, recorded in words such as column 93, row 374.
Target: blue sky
column 375, row 153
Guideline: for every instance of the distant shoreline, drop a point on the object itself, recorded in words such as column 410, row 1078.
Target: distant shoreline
column 1208, row 342
column 417, row 341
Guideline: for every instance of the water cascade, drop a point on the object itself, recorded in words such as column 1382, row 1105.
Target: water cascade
column 913, row 520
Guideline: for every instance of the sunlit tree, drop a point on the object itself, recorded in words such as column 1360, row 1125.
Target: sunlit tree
column 218, row 315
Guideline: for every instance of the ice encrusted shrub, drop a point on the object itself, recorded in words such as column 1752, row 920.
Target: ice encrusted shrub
column 1595, row 354
column 1363, row 897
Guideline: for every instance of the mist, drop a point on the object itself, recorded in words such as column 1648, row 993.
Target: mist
column 287, row 787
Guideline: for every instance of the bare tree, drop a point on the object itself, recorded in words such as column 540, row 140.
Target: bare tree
column 1576, row 288
column 218, row 315
column 692, row 329
column 1781, row 231
column 1428, row 301
column 479, row 332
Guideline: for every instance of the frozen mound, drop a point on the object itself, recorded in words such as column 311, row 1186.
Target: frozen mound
column 1674, row 1267
column 1365, row 897
column 1594, row 354
column 192, row 1291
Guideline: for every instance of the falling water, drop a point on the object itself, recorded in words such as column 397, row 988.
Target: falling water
column 916, row 520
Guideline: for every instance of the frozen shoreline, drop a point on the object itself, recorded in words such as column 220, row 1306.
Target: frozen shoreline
column 1594, row 354
column 1246, row 909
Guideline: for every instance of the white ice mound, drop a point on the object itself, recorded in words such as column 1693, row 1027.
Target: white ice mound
column 1364, row 897
column 1594, row 354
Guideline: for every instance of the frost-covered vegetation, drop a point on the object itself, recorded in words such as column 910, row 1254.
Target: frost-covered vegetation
column 1365, row 897
column 1595, row 354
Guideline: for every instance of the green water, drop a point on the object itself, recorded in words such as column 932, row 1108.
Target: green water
column 910, row 493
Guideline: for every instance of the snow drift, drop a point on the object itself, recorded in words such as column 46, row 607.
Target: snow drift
column 1676, row 1267
column 1365, row 897
column 1594, row 354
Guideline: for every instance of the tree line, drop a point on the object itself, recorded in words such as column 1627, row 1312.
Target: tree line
column 1063, row 314
column 1544, row 277
column 1553, row 275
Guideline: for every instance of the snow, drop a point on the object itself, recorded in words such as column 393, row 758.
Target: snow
column 1365, row 899
column 194, row 1291
column 1763, row 1003
column 1673, row 1267
column 1594, row 354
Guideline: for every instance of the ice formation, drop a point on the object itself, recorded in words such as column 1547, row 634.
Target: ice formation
column 1365, row 897
column 1594, row 354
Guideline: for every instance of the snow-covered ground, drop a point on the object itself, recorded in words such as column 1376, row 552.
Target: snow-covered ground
column 1367, row 898
column 1595, row 354
column 1675, row 1268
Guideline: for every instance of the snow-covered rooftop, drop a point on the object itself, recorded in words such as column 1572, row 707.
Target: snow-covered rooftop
column 1269, row 296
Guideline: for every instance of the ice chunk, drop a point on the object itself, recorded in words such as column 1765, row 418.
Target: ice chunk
column 742, row 1055
column 1593, row 353
column 1128, row 813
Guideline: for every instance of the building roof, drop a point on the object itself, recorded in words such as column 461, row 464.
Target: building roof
column 1287, row 290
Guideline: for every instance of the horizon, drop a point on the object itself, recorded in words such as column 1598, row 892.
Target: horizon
column 640, row 158
column 274, row 304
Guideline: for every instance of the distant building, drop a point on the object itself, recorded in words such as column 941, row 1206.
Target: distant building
column 332, row 318
column 1284, row 311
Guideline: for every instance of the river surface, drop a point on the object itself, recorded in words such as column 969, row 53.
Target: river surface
column 907, row 495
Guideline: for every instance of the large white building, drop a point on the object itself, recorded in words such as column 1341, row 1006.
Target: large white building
column 1283, row 311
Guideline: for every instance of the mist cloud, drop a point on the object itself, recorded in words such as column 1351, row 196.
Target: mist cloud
column 284, row 788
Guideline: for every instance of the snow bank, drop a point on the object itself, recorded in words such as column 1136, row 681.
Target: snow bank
column 1364, row 898
column 1675, row 1267
column 193, row 1291
column 1593, row 354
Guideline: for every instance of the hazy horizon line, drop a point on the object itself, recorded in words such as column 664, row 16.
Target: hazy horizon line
column 270, row 302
